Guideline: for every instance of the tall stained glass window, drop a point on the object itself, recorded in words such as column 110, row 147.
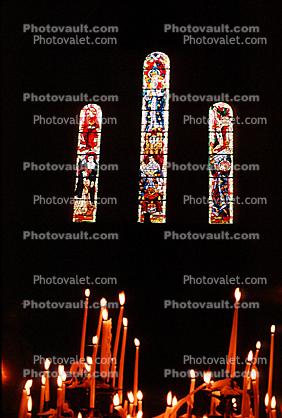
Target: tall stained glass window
column 154, row 139
column 220, row 164
column 87, row 164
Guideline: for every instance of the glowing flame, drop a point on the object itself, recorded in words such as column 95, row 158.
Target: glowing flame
column 233, row 400
column 89, row 360
column 258, row 345
column 139, row 414
column 103, row 302
column 95, row 340
column 105, row 314
column 174, row 401
column 253, row 374
column 87, row 293
column 47, row 363
column 136, row 342
column 250, row 357
column 266, row 400
column 237, row 294
column 60, row 369
column 79, row 415
column 29, row 404
column 192, row 374
column 273, row 403
column 121, row 298
column 64, row 376
column 272, row 329
column 139, row 395
column 28, row 384
column 125, row 322
column 87, row 367
column 169, row 398
column 43, row 380
column 207, row 377
column 130, row 397
column 116, row 400
column 59, row 382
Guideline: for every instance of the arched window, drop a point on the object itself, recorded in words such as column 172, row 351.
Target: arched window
column 220, row 164
column 87, row 164
column 154, row 139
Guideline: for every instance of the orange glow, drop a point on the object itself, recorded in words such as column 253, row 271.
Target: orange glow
column 121, row 298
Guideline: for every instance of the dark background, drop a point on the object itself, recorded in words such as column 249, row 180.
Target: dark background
column 148, row 268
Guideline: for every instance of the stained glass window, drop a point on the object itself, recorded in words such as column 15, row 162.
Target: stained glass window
column 220, row 164
column 87, row 164
column 154, row 139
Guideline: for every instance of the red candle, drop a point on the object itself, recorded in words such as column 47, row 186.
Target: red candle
column 122, row 357
column 271, row 359
column 116, row 344
column 84, row 324
column 231, row 359
column 136, row 370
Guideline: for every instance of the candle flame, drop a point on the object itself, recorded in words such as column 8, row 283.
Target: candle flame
column 87, row 367
column 139, row 395
column 130, row 397
column 60, row 369
column 28, row 384
column 87, row 293
column 266, row 400
column 105, row 314
column 233, row 400
column 258, row 345
column 139, row 414
column 59, row 381
column 253, row 374
column 121, row 298
column 174, row 401
column 205, row 416
column 29, row 404
column 273, row 403
column 125, row 322
column 169, row 398
column 136, row 342
column 192, row 374
column 95, row 340
column 237, row 294
column 64, row 376
column 207, row 377
column 272, row 329
column 43, row 380
column 47, row 363
column 250, row 357
column 89, row 360
column 79, row 415
column 103, row 302
column 116, row 400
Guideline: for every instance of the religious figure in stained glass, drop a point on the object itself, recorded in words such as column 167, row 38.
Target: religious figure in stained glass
column 154, row 139
column 220, row 164
column 87, row 164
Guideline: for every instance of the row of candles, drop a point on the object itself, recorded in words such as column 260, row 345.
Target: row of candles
column 111, row 370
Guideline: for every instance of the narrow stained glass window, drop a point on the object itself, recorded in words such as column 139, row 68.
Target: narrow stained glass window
column 87, row 164
column 220, row 164
column 154, row 139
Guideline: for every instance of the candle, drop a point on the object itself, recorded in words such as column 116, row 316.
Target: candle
column 255, row 392
column 84, row 324
column 42, row 393
column 103, row 304
column 270, row 372
column 131, row 402
column 139, row 399
column 47, row 363
column 24, row 398
column 122, row 356
column 29, row 407
column 258, row 346
column 139, row 414
column 106, row 345
column 59, row 396
column 168, row 403
column 192, row 387
column 245, row 409
column 117, row 406
column 136, row 369
column 79, row 415
column 231, row 359
column 174, row 403
column 64, row 377
column 93, row 372
column 116, row 344
column 273, row 407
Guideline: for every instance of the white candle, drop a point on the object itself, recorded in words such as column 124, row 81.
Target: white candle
column 136, row 369
column 122, row 357
column 231, row 359
column 271, row 359
column 84, row 324
column 116, row 344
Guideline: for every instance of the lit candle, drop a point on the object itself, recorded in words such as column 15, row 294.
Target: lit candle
column 59, row 396
column 106, row 345
column 116, row 344
column 84, row 324
column 139, row 399
column 131, row 402
column 122, row 356
column 24, row 398
column 270, row 372
column 258, row 346
column 174, row 403
column 139, row 414
column 192, row 387
column 245, row 409
column 136, row 369
column 29, row 407
column 64, row 377
column 79, row 415
column 42, row 393
column 103, row 304
column 255, row 392
column 93, row 372
column 273, row 407
column 47, row 363
column 231, row 359
column 117, row 406
column 168, row 405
